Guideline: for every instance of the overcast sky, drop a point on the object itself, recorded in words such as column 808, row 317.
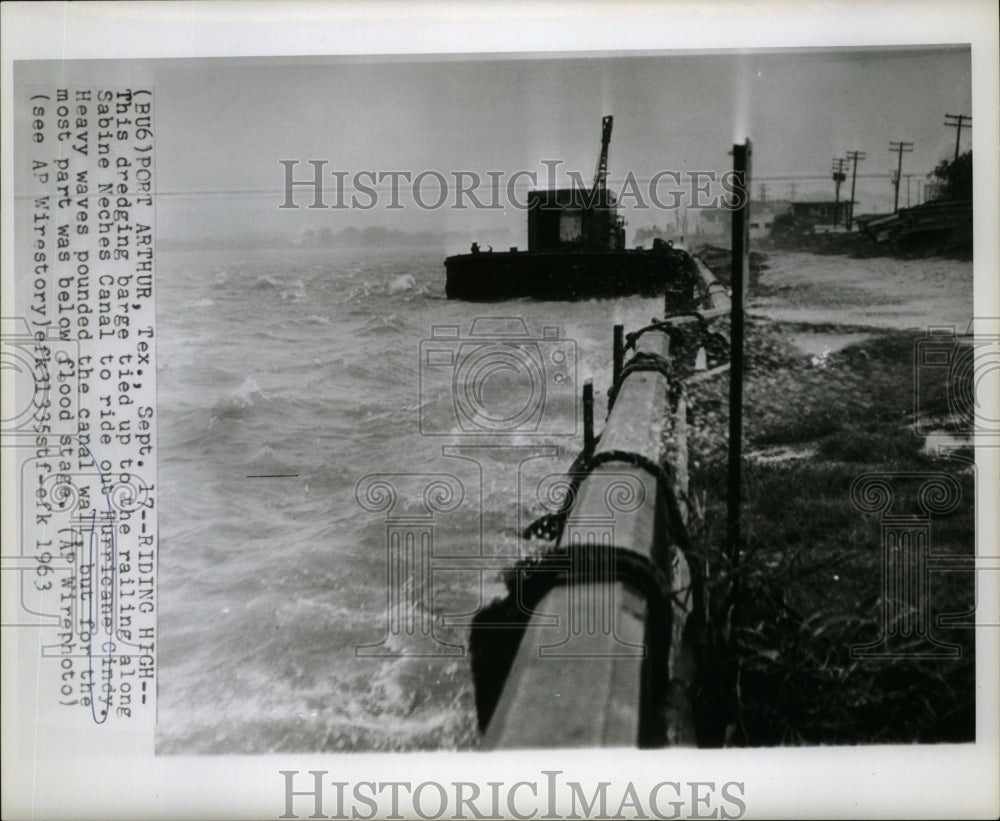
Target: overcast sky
column 223, row 125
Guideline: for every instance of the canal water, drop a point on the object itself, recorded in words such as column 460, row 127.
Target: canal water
column 316, row 405
column 287, row 378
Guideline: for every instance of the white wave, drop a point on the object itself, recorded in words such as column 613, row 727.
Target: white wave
column 239, row 401
column 401, row 283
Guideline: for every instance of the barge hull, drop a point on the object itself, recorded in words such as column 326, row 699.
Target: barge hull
column 547, row 275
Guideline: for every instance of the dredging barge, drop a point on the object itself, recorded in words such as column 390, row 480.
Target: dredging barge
column 576, row 250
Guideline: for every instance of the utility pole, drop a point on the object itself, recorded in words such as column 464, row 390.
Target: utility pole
column 838, row 178
column 763, row 192
column 900, row 148
column 956, row 123
column 855, row 157
column 792, row 188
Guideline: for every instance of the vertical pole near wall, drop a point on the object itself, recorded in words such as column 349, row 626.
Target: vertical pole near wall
column 588, row 417
column 740, row 269
column 617, row 353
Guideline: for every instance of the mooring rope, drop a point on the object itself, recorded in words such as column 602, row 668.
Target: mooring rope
column 498, row 629
column 551, row 525
column 643, row 361
column 677, row 333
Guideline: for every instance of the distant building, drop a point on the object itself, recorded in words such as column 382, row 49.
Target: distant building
column 820, row 211
column 933, row 191
column 718, row 221
column 712, row 221
column 762, row 215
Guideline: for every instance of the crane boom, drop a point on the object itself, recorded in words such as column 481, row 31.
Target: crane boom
column 600, row 178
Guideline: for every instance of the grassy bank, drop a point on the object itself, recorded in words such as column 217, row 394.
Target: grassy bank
column 809, row 581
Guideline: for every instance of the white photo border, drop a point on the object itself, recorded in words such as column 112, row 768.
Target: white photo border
column 848, row 782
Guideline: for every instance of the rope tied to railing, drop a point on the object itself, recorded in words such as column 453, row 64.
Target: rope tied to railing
column 644, row 361
column 498, row 628
column 675, row 333
column 551, row 525
column 533, row 576
column 679, row 335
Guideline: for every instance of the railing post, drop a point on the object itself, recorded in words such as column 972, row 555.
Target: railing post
column 618, row 353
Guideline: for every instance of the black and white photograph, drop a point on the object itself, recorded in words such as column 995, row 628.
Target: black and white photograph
column 428, row 414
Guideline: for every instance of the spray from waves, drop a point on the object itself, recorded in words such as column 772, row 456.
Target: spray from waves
column 401, row 283
column 384, row 698
column 239, row 402
column 389, row 711
column 407, row 286
column 402, row 286
column 293, row 291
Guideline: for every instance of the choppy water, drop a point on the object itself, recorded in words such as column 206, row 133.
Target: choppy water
column 305, row 365
column 284, row 379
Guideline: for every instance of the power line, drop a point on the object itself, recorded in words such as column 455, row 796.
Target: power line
column 855, row 157
column 956, row 123
column 838, row 177
column 809, row 177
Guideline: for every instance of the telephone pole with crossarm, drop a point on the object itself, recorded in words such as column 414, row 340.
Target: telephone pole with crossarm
column 900, row 148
